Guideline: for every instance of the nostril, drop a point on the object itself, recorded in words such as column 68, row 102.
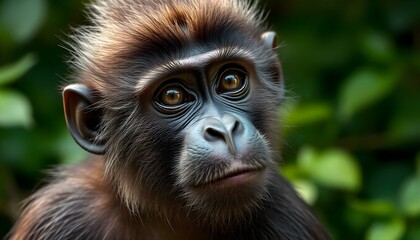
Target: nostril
column 235, row 127
column 212, row 134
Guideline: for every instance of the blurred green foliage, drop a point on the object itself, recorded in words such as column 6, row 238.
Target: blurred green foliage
column 350, row 122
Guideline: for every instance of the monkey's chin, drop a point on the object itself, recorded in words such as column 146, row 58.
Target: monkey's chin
column 229, row 197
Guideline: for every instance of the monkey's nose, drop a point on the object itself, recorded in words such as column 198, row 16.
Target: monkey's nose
column 225, row 130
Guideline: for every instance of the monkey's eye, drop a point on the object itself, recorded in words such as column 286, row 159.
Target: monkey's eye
column 172, row 97
column 232, row 81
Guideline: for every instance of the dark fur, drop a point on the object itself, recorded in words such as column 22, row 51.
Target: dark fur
column 137, row 189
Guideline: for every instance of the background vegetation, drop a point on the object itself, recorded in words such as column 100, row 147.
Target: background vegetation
column 351, row 123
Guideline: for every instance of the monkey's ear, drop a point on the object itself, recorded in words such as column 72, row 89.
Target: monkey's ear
column 270, row 39
column 83, row 118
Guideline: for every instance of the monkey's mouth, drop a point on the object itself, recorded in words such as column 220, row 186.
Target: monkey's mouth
column 233, row 177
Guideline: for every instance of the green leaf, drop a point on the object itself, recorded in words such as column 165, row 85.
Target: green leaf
column 304, row 114
column 22, row 18
column 363, row 89
column 307, row 190
column 336, row 168
column 14, row 71
column 390, row 230
column 290, row 171
column 333, row 168
column 377, row 47
column 15, row 109
column 307, row 157
column 410, row 197
column 376, row 208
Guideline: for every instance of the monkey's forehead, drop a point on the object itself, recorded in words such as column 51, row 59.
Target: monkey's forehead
column 195, row 61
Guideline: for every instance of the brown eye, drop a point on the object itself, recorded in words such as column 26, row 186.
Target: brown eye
column 172, row 96
column 231, row 81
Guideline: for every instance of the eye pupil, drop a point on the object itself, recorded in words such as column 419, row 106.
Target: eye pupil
column 231, row 81
column 172, row 97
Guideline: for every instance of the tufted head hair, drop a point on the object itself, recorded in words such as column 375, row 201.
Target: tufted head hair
column 127, row 32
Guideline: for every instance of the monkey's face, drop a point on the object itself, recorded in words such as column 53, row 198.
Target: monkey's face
column 224, row 159
column 219, row 113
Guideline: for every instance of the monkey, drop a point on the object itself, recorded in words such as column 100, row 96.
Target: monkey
column 176, row 100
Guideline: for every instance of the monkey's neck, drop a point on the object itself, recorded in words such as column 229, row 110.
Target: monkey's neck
column 172, row 222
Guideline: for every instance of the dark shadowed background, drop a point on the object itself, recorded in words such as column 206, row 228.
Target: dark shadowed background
column 351, row 121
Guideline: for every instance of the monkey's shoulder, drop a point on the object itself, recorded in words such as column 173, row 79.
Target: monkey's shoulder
column 76, row 204
column 286, row 216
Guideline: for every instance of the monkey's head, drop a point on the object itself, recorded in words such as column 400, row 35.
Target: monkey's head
column 180, row 97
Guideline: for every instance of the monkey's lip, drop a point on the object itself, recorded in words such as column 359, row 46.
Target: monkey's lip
column 233, row 178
